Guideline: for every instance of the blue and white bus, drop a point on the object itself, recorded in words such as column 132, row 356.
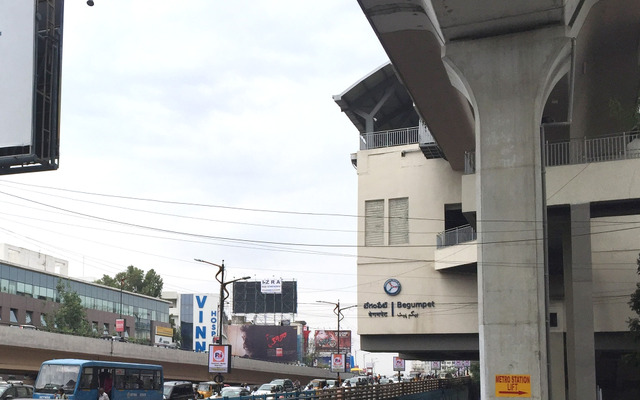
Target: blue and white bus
column 80, row 380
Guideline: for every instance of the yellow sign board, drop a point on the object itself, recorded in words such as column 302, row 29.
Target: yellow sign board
column 513, row 385
column 164, row 331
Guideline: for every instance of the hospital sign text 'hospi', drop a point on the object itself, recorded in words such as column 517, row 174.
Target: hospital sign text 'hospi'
column 205, row 321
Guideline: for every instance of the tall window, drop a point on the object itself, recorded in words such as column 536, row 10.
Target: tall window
column 28, row 317
column 13, row 315
column 374, row 223
column 399, row 221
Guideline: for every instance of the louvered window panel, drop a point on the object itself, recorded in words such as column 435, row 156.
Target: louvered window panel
column 374, row 223
column 399, row 221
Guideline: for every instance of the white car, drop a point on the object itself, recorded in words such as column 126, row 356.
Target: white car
column 231, row 391
column 268, row 390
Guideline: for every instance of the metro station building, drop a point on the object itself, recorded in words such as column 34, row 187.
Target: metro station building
column 498, row 179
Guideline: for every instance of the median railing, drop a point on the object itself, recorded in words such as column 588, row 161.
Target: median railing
column 370, row 392
column 620, row 146
column 455, row 236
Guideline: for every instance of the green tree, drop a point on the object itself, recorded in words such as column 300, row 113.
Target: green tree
column 135, row 280
column 70, row 316
column 634, row 304
column 634, row 323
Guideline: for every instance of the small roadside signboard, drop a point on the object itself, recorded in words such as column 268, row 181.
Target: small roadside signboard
column 513, row 385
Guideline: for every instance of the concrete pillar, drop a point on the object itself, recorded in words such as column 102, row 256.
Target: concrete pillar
column 578, row 294
column 506, row 77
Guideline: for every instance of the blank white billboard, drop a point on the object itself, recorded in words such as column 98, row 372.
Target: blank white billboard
column 17, row 41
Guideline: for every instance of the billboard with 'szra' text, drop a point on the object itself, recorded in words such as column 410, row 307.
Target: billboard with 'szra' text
column 327, row 341
column 264, row 342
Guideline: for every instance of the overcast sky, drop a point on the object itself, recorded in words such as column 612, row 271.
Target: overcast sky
column 205, row 129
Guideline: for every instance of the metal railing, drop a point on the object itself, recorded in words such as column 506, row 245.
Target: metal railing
column 369, row 392
column 395, row 137
column 451, row 237
column 620, row 146
column 583, row 151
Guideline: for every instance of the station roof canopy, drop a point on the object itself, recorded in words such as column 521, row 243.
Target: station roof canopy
column 381, row 96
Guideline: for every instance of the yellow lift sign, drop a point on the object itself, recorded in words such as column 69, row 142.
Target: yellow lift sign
column 513, row 385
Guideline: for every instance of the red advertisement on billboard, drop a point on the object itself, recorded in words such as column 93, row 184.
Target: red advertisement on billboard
column 327, row 341
column 264, row 342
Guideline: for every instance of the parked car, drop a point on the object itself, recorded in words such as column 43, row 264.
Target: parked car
column 287, row 384
column 14, row 390
column 178, row 390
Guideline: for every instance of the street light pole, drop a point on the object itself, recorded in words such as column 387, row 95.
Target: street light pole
column 338, row 312
column 123, row 324
column 224, row 293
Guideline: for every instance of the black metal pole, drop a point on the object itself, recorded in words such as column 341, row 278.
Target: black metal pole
column 221, row 308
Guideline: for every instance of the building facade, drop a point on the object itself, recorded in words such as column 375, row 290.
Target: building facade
column 506, row 233
column 27, row 295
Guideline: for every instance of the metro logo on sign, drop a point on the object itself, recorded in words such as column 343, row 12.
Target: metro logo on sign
column 513, row 385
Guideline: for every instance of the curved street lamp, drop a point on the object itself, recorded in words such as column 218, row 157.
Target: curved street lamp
column 224, row 293
column 338, row 312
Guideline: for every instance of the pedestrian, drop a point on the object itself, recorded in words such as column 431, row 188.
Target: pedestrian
column 60, row 394
column 102, row 395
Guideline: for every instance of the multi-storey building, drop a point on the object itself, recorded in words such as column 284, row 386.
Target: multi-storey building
column 504, row 227
column 29, row 293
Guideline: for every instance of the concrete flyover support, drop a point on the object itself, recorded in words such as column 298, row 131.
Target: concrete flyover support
column 578, row 289
column 507, row 77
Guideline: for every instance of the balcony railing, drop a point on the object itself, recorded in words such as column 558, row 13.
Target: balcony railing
column 455, row 236
column 582, row 151
column 620, row 146
column 395, row 137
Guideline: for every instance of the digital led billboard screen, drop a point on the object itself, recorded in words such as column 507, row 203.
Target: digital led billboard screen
column 264, row 342
column 248, row 298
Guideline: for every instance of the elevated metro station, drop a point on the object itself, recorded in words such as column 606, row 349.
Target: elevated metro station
column 496, row 172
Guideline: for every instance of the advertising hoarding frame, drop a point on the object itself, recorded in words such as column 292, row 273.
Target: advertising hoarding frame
column 324, row 340
column 43, row 150
column 338, row 363
column 219, row 358
column 398, row 364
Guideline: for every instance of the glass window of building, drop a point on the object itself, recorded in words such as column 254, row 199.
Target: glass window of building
column 43, row 319
column 28, row 318
column 13, row 315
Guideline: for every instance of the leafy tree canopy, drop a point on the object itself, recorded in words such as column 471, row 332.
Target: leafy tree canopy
column 70, row 317
column 135, row 280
